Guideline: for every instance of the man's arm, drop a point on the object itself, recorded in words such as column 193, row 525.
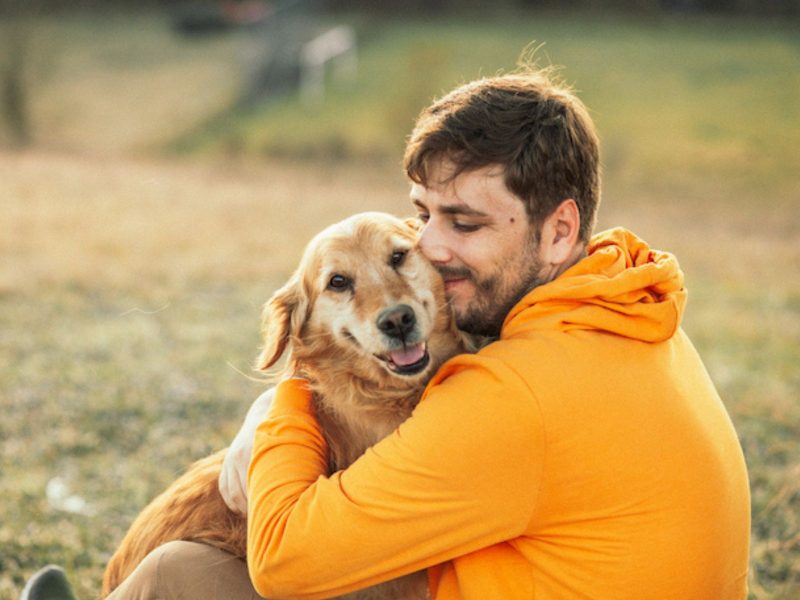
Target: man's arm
column 233, row 477
column 461, row 474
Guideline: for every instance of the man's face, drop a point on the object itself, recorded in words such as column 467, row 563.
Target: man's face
column 477, row 234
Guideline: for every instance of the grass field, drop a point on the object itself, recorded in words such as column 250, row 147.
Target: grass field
column 131, row 280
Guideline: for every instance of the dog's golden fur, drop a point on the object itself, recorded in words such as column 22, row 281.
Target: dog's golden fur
column 332, row 316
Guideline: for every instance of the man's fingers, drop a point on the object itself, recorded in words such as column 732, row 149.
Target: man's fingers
column 240, row 497
column 232, row 487
column 229, row 486
column 238, row 503
column 232, row 480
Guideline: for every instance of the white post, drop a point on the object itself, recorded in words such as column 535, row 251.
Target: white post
column 337, row 43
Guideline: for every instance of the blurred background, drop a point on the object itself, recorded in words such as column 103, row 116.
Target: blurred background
column 162, row 164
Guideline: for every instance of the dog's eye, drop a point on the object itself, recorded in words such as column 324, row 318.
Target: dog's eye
column 338, row 283
column 398, row 257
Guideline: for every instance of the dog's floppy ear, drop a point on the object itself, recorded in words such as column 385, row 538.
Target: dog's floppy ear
column 283, row 316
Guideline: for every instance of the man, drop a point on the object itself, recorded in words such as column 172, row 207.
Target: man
column 585, row 453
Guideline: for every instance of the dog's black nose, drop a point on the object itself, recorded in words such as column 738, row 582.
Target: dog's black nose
column 397, row 321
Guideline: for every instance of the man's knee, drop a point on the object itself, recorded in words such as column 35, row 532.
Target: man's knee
column 192, row 570
column 142, row 583
column 187, row 570
column 178, row 558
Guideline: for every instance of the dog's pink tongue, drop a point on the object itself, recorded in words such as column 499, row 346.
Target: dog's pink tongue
column 409, row 356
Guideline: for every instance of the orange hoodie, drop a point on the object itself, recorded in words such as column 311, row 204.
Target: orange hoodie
column 585, row 454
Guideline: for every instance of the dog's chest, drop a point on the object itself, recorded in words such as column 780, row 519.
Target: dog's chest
column 350, row 435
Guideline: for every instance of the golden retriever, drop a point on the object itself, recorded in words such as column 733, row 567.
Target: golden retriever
column 366, row 322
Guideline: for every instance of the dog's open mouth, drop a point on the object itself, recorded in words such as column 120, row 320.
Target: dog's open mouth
column 409, row 360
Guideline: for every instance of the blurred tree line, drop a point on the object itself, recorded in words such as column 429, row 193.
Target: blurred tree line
column 750, row 7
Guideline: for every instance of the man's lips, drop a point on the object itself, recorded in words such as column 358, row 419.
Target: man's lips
column 454, row 277
column 451, row 284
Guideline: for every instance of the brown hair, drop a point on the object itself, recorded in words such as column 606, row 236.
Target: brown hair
column 531, row 125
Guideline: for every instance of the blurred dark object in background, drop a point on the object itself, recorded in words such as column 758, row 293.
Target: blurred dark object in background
column 199, row 18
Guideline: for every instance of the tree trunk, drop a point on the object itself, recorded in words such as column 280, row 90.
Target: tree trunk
column 14, row 103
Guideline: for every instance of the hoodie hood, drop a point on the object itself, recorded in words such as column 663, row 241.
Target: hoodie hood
column 622, row 287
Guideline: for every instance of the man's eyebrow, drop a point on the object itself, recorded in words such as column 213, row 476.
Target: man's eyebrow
column 453, row 209
column 461, row 209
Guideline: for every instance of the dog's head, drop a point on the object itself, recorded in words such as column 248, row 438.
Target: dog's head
column 365, row 299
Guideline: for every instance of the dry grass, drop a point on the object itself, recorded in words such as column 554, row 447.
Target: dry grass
column 93, row 221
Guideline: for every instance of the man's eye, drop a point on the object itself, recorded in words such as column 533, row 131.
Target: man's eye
column 398, row 257
column 465, row 227
column 423, row 217
column 339, row 283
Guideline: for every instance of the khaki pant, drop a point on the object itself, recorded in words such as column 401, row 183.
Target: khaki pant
column 187, row 571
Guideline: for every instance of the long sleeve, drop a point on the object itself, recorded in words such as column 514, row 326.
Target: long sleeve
column 459, row 475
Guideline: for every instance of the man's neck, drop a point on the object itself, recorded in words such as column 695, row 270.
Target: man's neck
column 555, row 271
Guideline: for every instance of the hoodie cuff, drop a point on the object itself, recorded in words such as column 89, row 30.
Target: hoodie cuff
column 292, row 396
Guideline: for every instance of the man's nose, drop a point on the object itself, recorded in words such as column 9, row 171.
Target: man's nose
column 433, row 246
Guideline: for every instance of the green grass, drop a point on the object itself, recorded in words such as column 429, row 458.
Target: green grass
column 676, row 100
column 130, row 288
column 110, row 400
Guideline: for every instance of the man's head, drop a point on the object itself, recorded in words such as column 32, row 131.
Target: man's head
column 506, row 178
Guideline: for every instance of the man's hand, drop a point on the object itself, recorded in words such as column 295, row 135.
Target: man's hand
column 233, row 477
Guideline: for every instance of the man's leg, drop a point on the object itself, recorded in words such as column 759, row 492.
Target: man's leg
column 187, row 571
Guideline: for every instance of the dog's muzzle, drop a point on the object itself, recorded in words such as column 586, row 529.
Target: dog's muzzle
column 399, row 323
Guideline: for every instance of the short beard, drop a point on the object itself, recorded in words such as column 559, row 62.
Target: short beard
column 495, row 297
column 487, row 320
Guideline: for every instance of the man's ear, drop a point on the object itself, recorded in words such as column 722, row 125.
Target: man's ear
column 560, row 233
column 283, row 316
